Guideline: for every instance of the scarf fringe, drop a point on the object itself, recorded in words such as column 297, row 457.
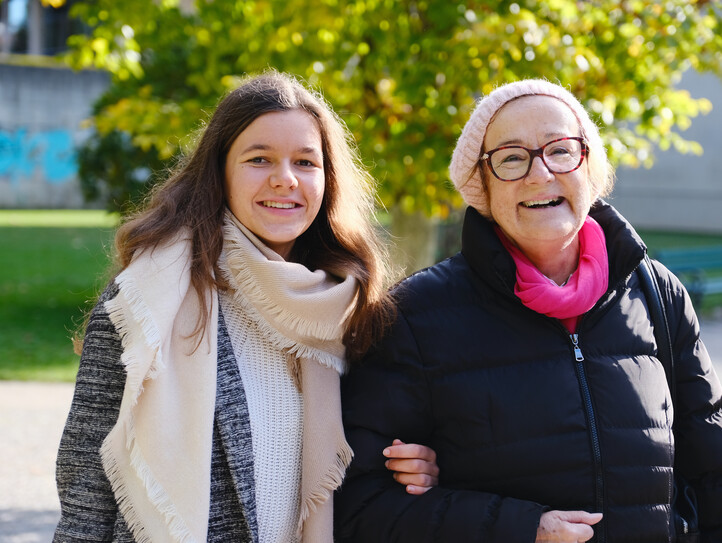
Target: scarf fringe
column 141, row 316
column 294, row 369
column 122, row 496
column 292, row 347
column 155, row 492
column 328, row 484
column 247, row 280
column 158, row 496
column 150, row 335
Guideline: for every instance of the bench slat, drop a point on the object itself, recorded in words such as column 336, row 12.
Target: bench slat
column 692, row 265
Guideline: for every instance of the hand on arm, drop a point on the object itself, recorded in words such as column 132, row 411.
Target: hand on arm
column 370, row 505
column 413, row 465
column 566, row 526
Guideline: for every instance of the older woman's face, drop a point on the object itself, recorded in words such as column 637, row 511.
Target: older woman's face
column 542, row 207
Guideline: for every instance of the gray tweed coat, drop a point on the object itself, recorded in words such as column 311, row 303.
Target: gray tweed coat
column 88, row 508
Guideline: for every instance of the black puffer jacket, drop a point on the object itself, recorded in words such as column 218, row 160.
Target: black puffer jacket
column 525, row 418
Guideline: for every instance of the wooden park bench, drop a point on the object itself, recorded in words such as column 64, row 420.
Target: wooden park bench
column 699, row 268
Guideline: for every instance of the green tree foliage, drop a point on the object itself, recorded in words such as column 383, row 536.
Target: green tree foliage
column 403, row 74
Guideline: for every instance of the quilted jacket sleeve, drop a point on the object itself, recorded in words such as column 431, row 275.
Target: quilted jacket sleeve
column 387, row 397
column 698, row 409
column 88, row 508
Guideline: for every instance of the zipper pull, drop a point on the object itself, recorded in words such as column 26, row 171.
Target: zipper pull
column 577, row 351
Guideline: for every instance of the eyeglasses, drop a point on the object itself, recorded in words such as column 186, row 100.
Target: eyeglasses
column 513, row 162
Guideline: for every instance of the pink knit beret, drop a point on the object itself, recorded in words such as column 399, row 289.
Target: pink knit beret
column 463, row 169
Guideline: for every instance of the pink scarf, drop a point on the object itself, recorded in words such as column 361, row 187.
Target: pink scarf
column 579, row 294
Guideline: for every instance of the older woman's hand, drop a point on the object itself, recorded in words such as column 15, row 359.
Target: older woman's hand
column 566, row 526
column 413, row 465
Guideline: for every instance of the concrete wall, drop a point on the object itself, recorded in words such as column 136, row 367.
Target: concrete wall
column 680, row 192
column 41, row 112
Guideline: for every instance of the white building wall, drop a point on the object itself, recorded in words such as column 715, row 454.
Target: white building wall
column 42, row 109
column 680, row 192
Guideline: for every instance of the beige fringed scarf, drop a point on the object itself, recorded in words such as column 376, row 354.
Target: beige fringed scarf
column 303, row 313
column 157, row 456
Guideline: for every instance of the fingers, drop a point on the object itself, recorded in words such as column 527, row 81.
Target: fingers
column 579, row 517
column 567, row 526
column 417, row 490
column 412, row 465
column 411, row 459
column 590, row 518
column 415, row 479
column 399, row 449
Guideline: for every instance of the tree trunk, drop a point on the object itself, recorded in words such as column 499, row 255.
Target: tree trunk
column 414, row 241
column 36, row 29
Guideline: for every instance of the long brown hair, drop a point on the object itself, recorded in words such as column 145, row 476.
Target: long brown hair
column 342, row 240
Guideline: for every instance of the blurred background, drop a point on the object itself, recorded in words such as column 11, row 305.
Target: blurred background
column 98, row 97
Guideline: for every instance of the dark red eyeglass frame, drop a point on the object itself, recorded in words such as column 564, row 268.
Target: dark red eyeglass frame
column 533, row 153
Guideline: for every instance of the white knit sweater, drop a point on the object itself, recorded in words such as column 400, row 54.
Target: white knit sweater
column 275, row 408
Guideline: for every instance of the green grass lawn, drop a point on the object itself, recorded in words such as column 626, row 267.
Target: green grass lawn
column 660, row 240
column 56, row 218
column 53, row 264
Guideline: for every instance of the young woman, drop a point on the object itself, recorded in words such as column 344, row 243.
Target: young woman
column 207, row 401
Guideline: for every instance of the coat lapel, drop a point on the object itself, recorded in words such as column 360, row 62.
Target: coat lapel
column 234, row 426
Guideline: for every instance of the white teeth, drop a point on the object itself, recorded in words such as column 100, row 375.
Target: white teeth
column 540, row 203
column 279, row 205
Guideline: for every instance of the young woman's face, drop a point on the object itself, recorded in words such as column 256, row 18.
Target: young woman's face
column 543, row 206
column 274, row 177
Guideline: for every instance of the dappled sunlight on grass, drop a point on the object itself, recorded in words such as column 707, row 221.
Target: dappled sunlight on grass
column 54, row 263
column 69, row 218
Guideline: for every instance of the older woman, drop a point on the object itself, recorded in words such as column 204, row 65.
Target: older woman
column 528, row 360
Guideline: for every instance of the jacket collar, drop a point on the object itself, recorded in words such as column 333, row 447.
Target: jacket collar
column 485, row 254
column 488, row 258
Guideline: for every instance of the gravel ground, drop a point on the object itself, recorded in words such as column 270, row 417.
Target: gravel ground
column 32, row 416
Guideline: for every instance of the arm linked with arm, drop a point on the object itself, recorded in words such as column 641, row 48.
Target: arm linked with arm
column 387, row 396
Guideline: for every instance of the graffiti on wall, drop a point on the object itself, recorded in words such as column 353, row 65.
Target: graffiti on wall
column 51, row 153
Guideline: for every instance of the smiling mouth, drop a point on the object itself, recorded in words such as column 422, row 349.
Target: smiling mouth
column 278, row 205
column 536, row 204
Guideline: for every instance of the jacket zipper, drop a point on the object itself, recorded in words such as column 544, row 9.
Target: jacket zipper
column 596, row 449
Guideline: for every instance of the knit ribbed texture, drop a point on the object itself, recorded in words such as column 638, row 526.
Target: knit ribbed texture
column 302, row 314
column 275, row 409
column 464, row 170
column 302, row 311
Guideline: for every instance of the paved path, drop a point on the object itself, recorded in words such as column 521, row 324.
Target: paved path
column 32, row 416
